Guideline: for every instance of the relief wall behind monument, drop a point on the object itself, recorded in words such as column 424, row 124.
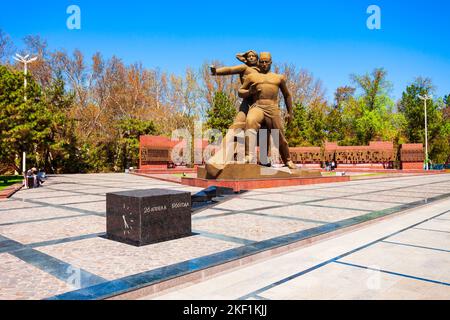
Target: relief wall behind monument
column 156, row 151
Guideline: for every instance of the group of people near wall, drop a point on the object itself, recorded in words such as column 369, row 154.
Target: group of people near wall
column 34, row 178
column 330, row 166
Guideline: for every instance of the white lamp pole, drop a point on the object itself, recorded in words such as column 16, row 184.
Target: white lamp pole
column 24, row 162
column 425, row 98
column 25, row 62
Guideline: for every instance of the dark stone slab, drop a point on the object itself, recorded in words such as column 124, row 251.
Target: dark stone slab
column 211, row 192
column 142, row 217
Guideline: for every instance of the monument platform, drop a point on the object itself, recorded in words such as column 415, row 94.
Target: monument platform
column 253, row 184
column 237, row 171
column 165, row 170
column 252, row 176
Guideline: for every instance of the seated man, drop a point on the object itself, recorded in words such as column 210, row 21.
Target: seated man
column 264, row 88
column 36, row 181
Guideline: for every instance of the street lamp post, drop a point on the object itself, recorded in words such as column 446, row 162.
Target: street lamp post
column 25, row 62
column 425, row 98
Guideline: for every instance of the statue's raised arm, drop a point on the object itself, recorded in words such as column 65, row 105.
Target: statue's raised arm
column 228, row 71
column 250, row 60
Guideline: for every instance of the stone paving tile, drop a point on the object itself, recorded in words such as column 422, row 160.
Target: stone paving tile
column 325, row 193
column 412, row 261
column 210, row 213
column 423, row 238
column 304, row 212
column 99, row 207
column 73, row 199
column 385, row 198
column 251, row 227
column 439, row 225
column 14, row 204
column 445, row 216
column 56, row 229
column 22, row 281
column 342, row 191
column 248, row 204
column 421, row 192
column 112, row 260
column 355, row 204
column 313, row 213
column 79, row 187
column 285, row 198
column 23, row 215
column 399, row 195
column 50, row 196
column 43, row 196
column 335, row 281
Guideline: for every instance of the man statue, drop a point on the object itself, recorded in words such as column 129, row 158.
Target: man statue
column 264, row 87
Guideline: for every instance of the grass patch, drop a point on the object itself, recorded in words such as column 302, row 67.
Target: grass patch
column 6, row 181
column 180, row 175
column 367, row 175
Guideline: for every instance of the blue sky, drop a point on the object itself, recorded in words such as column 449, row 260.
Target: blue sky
column 329, row 38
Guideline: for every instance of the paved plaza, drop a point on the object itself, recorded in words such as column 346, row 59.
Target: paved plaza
column 53, row 245
column 405, row 257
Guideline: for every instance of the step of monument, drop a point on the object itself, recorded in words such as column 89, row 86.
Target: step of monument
column 236, row 171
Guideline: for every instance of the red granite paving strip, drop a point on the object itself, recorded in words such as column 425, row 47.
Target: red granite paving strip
column 374, row 170
column 162, row 177
column 9, row 191
column 239, row 185
column 166, row 171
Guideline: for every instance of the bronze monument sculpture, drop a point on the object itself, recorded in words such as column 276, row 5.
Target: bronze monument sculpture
column 264, row 88
column 259, row 90
column 223, row 156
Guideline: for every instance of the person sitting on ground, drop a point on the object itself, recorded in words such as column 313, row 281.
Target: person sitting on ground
column 28, row 176
column 36, row 180
column 41, row 176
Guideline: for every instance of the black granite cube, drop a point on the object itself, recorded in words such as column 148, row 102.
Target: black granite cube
column 142, row 217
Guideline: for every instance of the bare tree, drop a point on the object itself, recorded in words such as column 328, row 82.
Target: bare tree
column 6, row 47
column 343, row 94
column 373, row 85
column 210, row 85
column 41, row 69
column 305, row 89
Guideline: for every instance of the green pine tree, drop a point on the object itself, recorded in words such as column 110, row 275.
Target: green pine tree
column 413, row 109
column 25, row 126
column 221, row 114
column 295, row 131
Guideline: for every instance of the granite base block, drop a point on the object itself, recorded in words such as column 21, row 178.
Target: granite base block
column 142, row 217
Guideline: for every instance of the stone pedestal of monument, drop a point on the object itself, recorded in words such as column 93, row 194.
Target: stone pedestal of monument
column 236, row 171
column 142, row 217
column 240, row 177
